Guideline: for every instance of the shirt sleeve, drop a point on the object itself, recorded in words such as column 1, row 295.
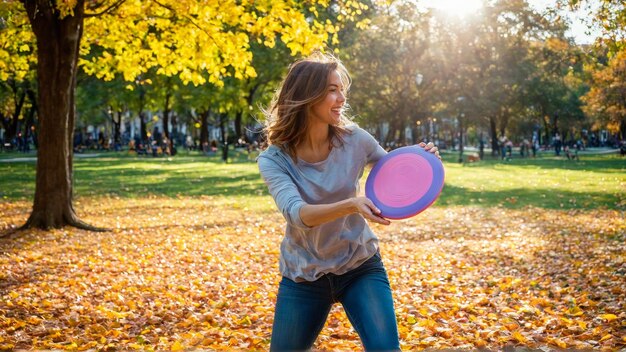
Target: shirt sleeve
column 373, row 149
column 283, row 190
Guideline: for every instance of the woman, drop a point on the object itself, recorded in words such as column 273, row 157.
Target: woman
column 329, row 254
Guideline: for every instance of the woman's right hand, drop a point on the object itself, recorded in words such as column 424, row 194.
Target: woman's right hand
column 368, row 210
column 430, row 147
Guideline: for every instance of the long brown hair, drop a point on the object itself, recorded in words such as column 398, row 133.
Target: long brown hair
column 304, row 86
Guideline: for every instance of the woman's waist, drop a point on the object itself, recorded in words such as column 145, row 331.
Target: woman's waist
column 305, row 264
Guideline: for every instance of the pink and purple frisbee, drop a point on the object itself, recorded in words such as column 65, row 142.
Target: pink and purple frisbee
column 405, row 182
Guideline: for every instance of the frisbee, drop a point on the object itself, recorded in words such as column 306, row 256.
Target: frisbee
column 405, row 182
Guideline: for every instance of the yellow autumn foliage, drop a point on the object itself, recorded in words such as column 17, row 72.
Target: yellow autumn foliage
column 201, row 273
column 198, row 40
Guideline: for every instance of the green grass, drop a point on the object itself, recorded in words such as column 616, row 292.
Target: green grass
column 594, row 182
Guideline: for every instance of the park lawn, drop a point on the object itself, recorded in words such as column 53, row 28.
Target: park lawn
column 127, row 176
column 595, row 182
column 191, row 259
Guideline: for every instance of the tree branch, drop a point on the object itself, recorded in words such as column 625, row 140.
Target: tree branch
column 109, row 9
column 188, row 18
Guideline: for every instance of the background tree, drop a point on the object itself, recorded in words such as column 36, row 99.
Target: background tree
column 384, row 62
column 17, row 62
column 553, row 87
column 184, row 38
column 606, row 100
column 507, row 30
column 270, row 64
column 103, row 102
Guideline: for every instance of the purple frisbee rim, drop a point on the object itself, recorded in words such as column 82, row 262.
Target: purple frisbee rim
column 417, row 182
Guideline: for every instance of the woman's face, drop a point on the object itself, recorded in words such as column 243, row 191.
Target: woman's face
column 329, row 109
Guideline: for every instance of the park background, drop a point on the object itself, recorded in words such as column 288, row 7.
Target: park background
column 147, row 225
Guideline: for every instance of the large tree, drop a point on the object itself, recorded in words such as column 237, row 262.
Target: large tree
column 188, row 38
column 554, row 87
column 58, row 44
column 385, row 62
column 606, row 101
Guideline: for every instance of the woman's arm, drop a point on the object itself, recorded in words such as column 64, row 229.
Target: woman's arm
column 317, row 214
column 301, row 214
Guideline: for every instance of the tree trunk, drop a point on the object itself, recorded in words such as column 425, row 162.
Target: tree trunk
column 555, row 127
column 19, row 103
column 224, row 133
column 249, row 101
column 117, row 127
column 495, row 148
column 402, row 135
column 31, row 115
column 546, row 125
column 204, row 129
column 143, row 127
column 29, row 123
column 166, row 116
column 58, row 42
column 238, row 131
column 142, row 117
column 11, row 124
column 504, row 121
column 460, row 119
column 174, row 133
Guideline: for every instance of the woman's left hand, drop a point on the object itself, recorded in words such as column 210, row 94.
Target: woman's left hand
column 430, row 147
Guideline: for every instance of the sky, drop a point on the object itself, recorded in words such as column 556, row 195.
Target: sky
column 462, row 7
column 577, row 27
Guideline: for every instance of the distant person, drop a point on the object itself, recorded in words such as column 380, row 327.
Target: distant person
column 155, row 148
column 481, row 149
column 189, row 143
column 225, row 152
column 502, row 145
column 525, row 148
column 557, row 144
column 571, row 152
column 173, row 150
column 329, row 253
column 509, row 149
column 156, row 135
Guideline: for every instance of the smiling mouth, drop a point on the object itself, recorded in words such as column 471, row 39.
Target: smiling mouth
column 336, row 110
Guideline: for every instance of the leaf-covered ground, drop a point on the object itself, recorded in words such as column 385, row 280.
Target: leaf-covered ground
column 202, row 273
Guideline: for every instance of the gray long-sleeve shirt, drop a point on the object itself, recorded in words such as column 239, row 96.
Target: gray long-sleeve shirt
column 337, row 246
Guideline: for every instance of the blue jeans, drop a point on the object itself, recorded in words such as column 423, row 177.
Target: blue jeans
column 302, row 308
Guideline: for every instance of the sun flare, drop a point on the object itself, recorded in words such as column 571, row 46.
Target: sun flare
column 459, row 8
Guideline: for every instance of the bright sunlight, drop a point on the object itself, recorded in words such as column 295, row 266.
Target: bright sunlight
column 459, row 8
